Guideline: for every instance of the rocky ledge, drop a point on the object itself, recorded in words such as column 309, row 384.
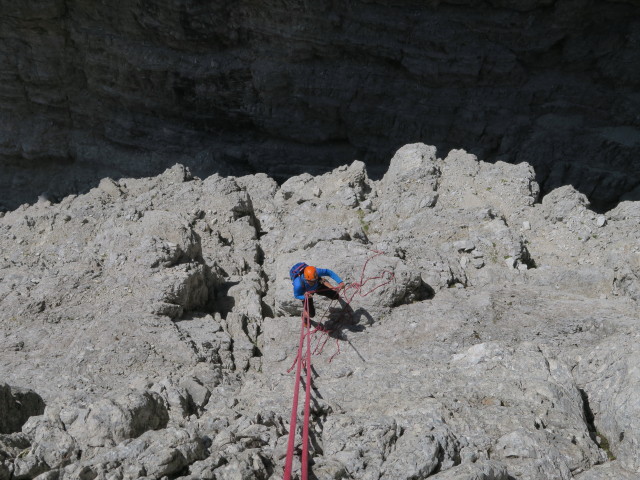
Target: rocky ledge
column 147, row 327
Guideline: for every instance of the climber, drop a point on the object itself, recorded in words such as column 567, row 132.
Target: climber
column 306, row 278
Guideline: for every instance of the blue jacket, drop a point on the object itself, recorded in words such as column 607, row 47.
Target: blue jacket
column 300, row 285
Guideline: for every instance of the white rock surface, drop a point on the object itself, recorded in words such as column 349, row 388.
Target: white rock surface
column 155, row 319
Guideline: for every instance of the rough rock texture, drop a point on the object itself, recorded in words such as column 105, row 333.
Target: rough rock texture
column 492, row 333
column 91, row 89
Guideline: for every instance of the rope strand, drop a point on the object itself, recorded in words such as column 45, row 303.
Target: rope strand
column 296, row 390
column 320, row 341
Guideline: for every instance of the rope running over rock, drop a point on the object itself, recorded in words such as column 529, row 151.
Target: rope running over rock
column 306, row 332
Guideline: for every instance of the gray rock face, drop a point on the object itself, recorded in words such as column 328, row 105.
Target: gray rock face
column 91, row 90
column 491, row 333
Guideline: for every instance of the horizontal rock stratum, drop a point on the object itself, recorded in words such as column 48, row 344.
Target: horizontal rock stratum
column 91, row 89
column 150, row 323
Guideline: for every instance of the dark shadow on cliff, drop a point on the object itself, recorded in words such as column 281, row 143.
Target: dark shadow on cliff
column 604, row 188
column 284, row 93
column 223, row 302
column 253, row 153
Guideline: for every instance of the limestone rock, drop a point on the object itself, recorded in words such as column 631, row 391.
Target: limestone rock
column 418, row 453
column 485, row 470
column 562, row 203
column 609, row 376
column 152, row 455
column 155, row 317
column 128, row 416
column 608, row 470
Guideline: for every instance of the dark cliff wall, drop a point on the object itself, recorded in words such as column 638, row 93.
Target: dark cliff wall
column 94, row 88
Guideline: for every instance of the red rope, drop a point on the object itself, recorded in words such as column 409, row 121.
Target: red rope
column 307, row 403
column 356, row 288
column 305, row 331
column 294, row 409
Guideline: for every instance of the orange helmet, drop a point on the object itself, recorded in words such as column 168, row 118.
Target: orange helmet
column 310, row 274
